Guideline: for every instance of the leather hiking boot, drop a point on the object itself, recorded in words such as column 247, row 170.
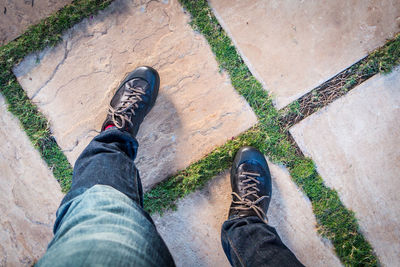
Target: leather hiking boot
column 133, row 100
column 251, row 184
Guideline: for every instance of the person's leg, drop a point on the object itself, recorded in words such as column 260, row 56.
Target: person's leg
column 101, row 220
column 251, row 242
column 246, row 237
column 108, row 160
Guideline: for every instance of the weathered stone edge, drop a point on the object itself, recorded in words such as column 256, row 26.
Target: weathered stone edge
column 381, row 60
column 46, row 33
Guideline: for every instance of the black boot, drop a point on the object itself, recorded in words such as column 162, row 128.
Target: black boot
column 133, row 100
column 251, row 184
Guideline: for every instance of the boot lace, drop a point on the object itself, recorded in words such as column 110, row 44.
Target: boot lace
column 243, row 202
column 123, row 113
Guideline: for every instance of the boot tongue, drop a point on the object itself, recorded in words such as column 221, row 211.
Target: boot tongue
column 249, row 167
column 137, row 83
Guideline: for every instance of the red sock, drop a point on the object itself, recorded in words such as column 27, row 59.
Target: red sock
column 109, row 126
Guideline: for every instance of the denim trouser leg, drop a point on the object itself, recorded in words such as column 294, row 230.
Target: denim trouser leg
column 100, row 221
column 108, row 160
column 251, row 242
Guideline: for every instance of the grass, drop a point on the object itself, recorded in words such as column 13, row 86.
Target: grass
column 47, row 33
column 334, row 221
column 164, row 195
column 382, row 60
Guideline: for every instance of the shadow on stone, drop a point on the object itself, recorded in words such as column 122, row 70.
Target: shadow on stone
column 158, row 144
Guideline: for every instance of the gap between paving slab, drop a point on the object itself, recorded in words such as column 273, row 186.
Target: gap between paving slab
column 193, row 231
column 292, row 47
column 355, row 145
column 197, row 108
column 29, row 196
column 381, row 60
column 17, row 16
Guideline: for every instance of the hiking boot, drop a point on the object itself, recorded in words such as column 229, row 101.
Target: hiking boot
column 133, row 100
column 251, row 184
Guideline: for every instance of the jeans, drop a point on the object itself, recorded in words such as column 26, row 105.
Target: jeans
column 251, row 242
column 101, row 221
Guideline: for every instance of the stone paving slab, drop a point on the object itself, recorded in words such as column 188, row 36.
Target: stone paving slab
column 193, row 232
column 355, row 143
column 17, row 16
column 29, row 196
column 294, row 46
column 197, row 108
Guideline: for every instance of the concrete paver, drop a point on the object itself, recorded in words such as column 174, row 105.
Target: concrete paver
column 29, row 196
column 17, row 16
column 294, row 46
column 193, row 232
column 197, row 108
column 355, row 143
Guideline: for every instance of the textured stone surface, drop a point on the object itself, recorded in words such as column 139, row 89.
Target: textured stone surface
column 355, row 143
column 197, row 108
column 17, row 15
column 193, row 232
column 293, row 46
column 29, row 196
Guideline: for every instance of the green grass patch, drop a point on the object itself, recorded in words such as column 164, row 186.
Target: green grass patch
column 164, row 195
column 36, row 127
column 382, row 60
column 47, row 33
